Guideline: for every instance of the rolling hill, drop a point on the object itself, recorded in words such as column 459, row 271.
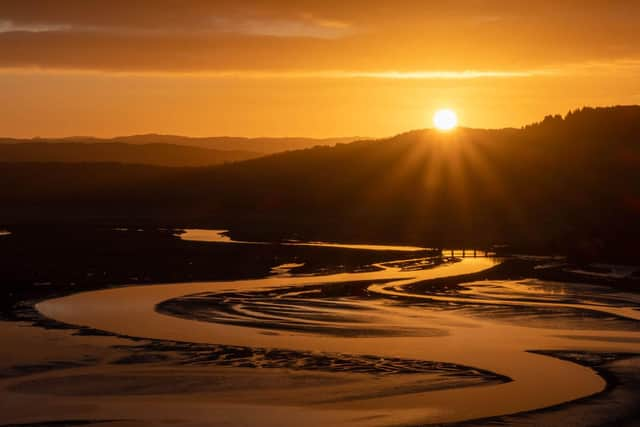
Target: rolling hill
column 254, row 146
column 565, row 181
column 159, row 154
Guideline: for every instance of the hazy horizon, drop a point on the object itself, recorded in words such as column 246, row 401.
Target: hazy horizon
column 461, row 126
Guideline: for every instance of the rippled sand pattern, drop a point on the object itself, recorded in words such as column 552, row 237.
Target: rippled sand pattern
column 383, row 347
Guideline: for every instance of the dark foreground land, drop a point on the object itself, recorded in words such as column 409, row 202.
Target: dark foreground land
column 40, row 262
column 37, row 262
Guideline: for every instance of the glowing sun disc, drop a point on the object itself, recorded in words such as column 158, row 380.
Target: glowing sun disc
column 445, row 119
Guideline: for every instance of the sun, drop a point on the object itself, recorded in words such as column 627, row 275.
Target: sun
column 445, row 119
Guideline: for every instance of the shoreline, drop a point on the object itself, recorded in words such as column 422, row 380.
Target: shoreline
column 513, row 268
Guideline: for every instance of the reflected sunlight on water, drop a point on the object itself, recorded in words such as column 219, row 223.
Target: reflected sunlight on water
column 376, row 347
column 202, row 235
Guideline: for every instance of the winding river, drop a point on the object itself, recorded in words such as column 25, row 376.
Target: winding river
column 482, row 334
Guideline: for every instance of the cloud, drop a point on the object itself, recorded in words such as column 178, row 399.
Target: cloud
column 306, row 25
column 415, row 38
column 8, row 27
column 446, row 75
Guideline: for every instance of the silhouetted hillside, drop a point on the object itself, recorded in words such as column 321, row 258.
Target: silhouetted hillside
column 563, row 182
column 150, row 154
column 225, row 143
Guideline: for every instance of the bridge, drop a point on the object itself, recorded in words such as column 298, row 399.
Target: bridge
column 467, row 253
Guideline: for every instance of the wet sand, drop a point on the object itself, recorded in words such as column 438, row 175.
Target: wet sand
column 371, row 348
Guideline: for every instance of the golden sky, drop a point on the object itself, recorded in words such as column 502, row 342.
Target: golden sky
column 307, row 68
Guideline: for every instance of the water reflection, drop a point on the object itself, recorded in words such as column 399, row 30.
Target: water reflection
column 398, row 344
column 221, row 236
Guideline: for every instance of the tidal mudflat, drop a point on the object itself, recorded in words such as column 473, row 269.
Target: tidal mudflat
column 418, row 340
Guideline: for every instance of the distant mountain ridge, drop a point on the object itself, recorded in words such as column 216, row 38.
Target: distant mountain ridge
column 266, row 145
column 157, row 154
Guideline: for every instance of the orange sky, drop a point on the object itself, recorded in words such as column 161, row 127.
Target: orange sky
column 312, row 68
